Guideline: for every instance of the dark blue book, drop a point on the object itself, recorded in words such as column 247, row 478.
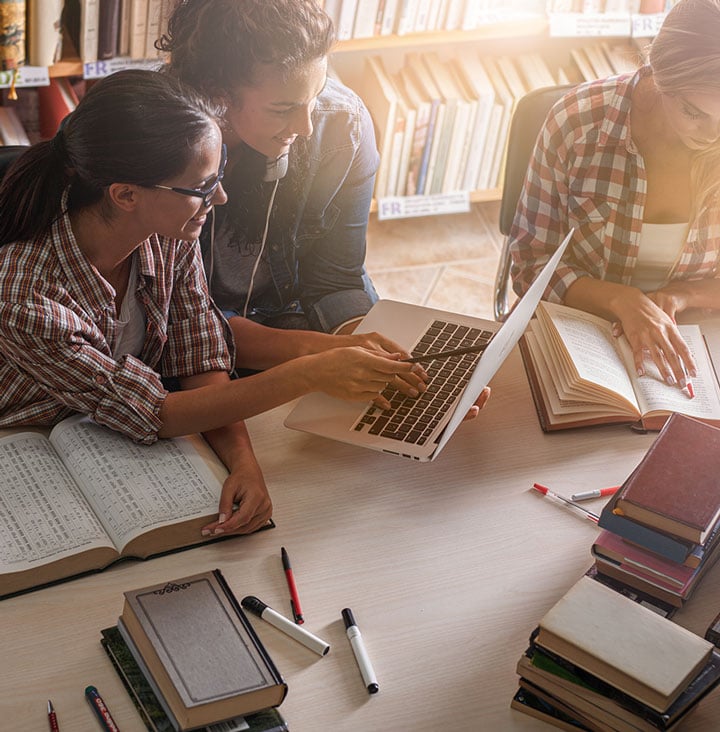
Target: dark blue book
column 670, row 547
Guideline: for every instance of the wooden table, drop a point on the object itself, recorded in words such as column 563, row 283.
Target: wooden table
column 448, row 567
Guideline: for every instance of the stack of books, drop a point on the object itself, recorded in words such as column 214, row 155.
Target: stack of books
column 661, row 530
column 190, row 659
column 599, row 661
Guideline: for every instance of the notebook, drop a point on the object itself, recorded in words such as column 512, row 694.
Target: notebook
column 411, row 326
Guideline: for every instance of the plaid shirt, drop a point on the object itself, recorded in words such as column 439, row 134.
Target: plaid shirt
column 57, row 333
column 587, row 173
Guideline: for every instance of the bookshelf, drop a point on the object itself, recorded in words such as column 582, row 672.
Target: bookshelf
column 551, row 35
column 522, row 26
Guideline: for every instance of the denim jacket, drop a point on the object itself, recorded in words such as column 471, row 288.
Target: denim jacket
column 315, row 248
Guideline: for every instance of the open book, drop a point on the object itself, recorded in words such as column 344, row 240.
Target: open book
column 580, row 374
column 83, row 497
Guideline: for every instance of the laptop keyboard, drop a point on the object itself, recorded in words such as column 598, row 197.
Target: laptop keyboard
column 413, row 420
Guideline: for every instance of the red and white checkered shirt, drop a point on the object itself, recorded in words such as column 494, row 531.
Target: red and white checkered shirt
column 586, row 173
column 58, row 331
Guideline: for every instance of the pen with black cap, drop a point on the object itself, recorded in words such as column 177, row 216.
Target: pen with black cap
column 361, row 656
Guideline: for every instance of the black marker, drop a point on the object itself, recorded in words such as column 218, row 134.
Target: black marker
column 361, row 656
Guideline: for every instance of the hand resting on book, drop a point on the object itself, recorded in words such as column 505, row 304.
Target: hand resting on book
column 650, row 329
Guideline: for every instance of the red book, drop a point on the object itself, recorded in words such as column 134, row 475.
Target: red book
column 55, row 102
column 676, row 486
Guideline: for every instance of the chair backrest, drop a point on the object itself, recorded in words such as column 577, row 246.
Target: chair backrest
column 8, row 155
column 528, row 118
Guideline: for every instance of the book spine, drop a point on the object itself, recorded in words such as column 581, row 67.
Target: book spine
column 249, row 628
column 661, row 544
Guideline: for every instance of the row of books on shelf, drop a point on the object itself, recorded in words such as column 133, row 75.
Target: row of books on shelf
column 37, row 112
column 442, row 125
column 599, row 658
column 367, row 18
column 370, row 18
column 90, row 29
column 610, row 6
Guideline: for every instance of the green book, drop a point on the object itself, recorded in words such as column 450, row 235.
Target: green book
column 152, row 710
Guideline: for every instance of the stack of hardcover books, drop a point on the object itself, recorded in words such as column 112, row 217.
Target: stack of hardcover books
column 661, row 530
column 600, row 661
column 190, row 659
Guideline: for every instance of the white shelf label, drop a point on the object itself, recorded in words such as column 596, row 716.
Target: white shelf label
column 27, row 76
column 589, row 24
column 646, row 25
column 406, row 207
column 98, row 69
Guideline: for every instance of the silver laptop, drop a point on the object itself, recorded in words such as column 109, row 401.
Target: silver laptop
column 420, row 428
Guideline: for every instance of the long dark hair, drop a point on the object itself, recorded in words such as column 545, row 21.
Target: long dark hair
column 216, row 45
column 134, row 126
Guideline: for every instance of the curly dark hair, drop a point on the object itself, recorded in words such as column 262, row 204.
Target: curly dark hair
column 216, row 45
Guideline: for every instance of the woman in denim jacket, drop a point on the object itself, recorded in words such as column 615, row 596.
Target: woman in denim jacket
column 288, row 250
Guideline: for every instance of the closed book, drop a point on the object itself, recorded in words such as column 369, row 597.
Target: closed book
column 44, row 31
column 13, row 28
column 612, row 547
column 380, row 97
column 425, row 112
column 108, row 28
column 200, row 650
column 597, row 698
column 650, row 585
column 623, row 643
column 655, row 583
column 676, row 487
column 670, row 547
column 152, row 707
column 487, row 120
column 432, row 173
column 55, row 102
column 532, row 701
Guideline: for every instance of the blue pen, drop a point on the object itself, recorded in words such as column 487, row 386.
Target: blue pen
column 101, row 710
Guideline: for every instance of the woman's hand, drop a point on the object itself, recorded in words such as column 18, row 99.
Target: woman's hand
column 411, row 383
column 245, row 504
column 360, row 374
column 648, row 322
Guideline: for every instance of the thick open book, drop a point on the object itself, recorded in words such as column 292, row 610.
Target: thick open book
column 83, row 497
column 580, row 374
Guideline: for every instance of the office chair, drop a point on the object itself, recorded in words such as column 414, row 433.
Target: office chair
column 527, row 120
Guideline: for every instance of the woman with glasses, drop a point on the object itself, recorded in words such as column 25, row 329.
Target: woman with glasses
column 103, row 294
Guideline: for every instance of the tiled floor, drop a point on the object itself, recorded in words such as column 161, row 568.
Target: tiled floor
column 447, row 262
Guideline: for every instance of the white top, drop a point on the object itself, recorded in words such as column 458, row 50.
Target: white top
column 660, row 246
column 131, row 323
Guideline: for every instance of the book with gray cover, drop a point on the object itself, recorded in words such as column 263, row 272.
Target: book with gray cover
column 200, row 650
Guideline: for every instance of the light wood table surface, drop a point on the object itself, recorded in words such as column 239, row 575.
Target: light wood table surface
column 448, row 567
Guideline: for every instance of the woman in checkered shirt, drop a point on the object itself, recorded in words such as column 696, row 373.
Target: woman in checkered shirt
column 103, row 293
column 633, row 163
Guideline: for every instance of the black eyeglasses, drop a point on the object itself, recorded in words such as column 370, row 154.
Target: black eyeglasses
column 208, row 193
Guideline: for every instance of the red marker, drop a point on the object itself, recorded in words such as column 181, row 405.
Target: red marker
column 597, row 493
column 52, row 718
column 566, row 502
column 294, row 597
